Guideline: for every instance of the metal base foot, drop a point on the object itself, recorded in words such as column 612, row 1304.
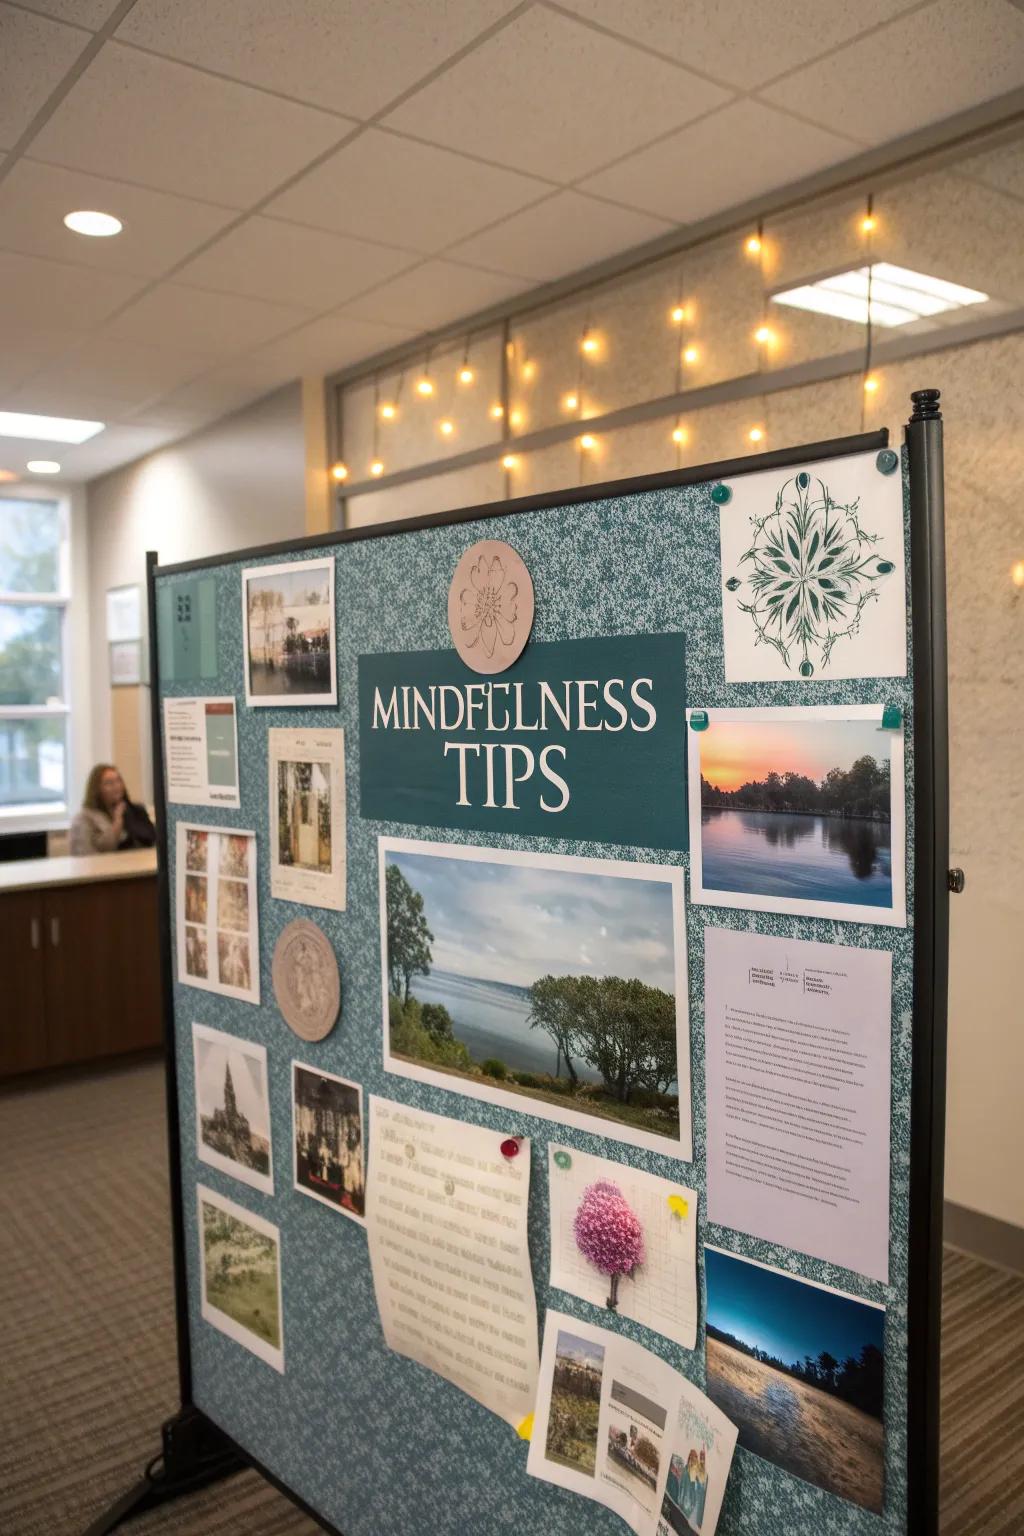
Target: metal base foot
column 194, row 1455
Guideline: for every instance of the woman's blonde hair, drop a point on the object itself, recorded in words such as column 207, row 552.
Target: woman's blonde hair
column 92, row 799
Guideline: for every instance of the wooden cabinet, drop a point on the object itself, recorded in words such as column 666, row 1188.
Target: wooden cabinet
column 85, row 965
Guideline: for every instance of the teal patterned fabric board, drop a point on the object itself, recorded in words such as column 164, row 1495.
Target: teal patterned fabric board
column 374, row 1443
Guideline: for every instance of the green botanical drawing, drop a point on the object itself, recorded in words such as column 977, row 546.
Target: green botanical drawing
column 813, row 570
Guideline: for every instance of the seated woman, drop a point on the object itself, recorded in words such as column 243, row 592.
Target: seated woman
column 109, row 820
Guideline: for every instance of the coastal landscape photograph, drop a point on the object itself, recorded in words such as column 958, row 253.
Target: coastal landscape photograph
column 289, row 632
column 798, row 810
column 799, row 1369
column 545, row 984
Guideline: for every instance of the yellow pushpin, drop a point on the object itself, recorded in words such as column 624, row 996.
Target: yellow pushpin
column 678, row 1206
column 525, row 1429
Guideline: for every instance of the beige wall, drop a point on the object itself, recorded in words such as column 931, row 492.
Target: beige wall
column 239, row 483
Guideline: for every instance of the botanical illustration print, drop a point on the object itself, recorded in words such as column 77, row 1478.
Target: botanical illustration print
column 809, row 573
column 488, row 608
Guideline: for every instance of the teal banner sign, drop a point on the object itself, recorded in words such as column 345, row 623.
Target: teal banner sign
column 580, row 738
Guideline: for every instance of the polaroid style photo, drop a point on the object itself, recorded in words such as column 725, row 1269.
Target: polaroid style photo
column 306, row 777
column 232, row 1107
column 288, row 624
column 240, row 1255
column 329, row 1140
column 539, row 982
column 799, row 810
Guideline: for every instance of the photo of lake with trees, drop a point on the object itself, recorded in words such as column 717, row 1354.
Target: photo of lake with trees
column 798, row 810
column 536, row 982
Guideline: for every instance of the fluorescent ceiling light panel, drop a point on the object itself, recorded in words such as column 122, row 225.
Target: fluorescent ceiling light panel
column 898, row 295
column 48, row 429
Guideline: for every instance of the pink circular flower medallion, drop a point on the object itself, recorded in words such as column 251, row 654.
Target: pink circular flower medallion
column 490, row 606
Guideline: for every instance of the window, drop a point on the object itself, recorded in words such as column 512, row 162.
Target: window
column 34, row 592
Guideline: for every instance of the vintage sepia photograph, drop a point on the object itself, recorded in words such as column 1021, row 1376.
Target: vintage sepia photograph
column 233, row 905
column 217, row 934
column 197, row 845
column 234, row 854
column 197, row 957
column 232, row 1106
column 800, row 1370
column 288, row 617
column 306, row 776
column 234, row 962
column 195, row 899
column 542, row 983
column 801, row 811
column 327, row 1119
column 240, row 1255
column 575, row 1408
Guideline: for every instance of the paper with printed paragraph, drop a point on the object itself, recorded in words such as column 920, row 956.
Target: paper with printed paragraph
column 446, row 1221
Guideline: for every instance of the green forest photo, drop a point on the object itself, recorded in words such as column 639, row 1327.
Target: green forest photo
column 536, row 981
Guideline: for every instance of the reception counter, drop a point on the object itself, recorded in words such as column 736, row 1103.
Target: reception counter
column 79, row 959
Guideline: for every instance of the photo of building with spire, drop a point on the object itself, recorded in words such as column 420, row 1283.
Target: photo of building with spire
column 232, row 1107
column 228, row 1131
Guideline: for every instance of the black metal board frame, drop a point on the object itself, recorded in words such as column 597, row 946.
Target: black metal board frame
column 194, row 1450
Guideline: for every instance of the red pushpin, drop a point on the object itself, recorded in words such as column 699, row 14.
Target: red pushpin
column 510, row 1147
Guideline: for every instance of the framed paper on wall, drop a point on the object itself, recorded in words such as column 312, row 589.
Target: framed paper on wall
column 288, row 624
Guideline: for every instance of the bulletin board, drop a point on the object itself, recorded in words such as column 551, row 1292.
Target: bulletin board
column 368, row 1442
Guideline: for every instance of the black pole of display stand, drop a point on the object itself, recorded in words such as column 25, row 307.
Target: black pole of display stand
column 932, row 885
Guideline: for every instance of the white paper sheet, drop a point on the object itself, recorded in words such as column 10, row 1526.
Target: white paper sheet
column 216, row 921
column 613, row 1421
column 661, row 1292
column 201, row 752
column 813, row 584
column 446, row 1222
column 306, row 777
column 798, row 1049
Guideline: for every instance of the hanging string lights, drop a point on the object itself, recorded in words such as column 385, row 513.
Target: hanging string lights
column 868, row 225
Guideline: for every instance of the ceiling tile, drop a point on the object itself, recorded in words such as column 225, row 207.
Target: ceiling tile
column 434, row 294
column 51, row 295
column 224, row 389
column 738, row 43
column 393, row 189
column 330, row 344
column 216, row 323
column 159, row 228
column 878, row 88
column 35, row 55
column 166, row 126
column 1001, row 168
column 123, row 370
column 341, row 54
column 567, row 232
column 735, row 154
column 84, row 13
column 267, row 259
column 552, row 96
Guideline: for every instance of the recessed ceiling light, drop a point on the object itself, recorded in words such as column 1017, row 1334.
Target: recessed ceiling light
column 6, row 475
column 43, row 466
column 47, row 429
column 86, row 221
column 898, row 296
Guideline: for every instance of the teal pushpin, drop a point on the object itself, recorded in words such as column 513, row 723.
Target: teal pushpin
column 887, row 461
column 892, row 717
column 698, row 720
column 720, row 494
column 562, row 1160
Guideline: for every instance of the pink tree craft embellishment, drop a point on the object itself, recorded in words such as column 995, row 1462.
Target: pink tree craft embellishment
column 609, row 1234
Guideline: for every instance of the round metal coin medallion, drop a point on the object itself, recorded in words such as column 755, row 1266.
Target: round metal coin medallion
column 306, row 981
column 490, row 606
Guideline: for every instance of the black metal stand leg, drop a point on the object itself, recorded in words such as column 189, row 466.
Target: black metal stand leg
column 194, row 1455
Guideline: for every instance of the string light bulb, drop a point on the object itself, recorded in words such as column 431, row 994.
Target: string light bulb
column 678, row 314
column 868, row 224
column 764, row 335
column 871, row 385
column 528, row 370
column 588, row 442
column 680, row 435
column 376, row 468
column 756, row 434
column 509, row 461
column 753, row 245
column 446, row 427
column 388, row 410
column 570, row 402
column 466, row 374
column 589, row 345
column 691, row 355
column 1017, row 573
column 497, row 411
column 515, row 418
column 425, row 386
column 339, row 471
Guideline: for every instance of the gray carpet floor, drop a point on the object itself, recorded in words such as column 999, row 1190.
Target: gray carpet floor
column 87, row 1343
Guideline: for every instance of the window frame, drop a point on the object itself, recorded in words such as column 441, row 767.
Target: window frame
column 45, row 815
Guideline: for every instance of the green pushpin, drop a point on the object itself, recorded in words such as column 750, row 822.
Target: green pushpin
column 562, row 1160
column 720, row 494
column 698, row 720
column 892, row 717
column 887, row 461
